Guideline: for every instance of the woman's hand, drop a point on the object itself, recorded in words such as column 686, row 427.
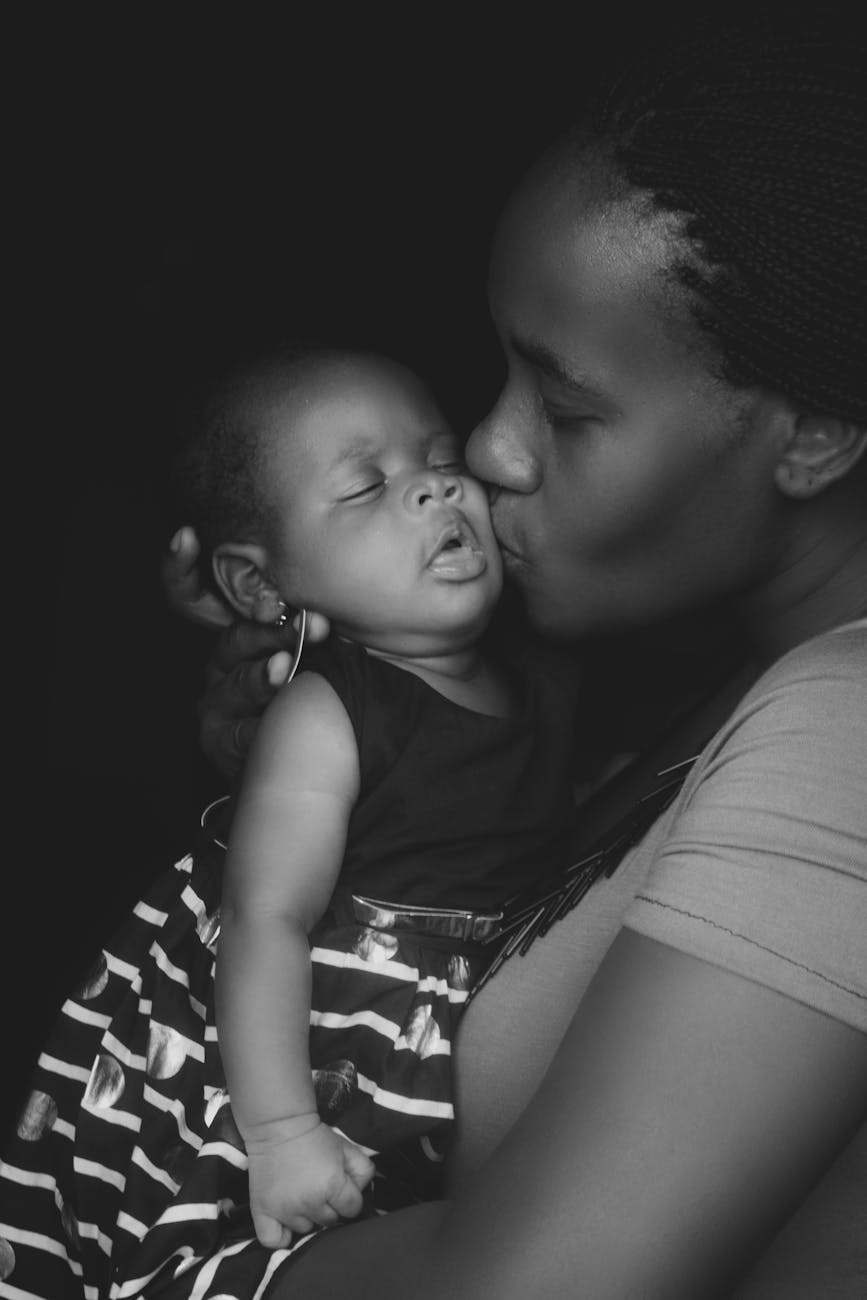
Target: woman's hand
column 182, row 580
column 251, row 661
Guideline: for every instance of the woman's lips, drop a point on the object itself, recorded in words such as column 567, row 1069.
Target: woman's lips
column 511, row 558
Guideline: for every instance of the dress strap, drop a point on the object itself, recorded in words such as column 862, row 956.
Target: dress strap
column 530, row 914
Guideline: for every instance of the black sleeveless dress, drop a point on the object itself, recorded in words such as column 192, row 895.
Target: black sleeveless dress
column 127, row 1176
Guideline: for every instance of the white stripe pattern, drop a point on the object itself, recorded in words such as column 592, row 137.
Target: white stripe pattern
column 406, row 1105
column 111, row 1115
column 153, row 1171
column 150, row 914
column 173, row 1106
column 134, row 1286
column 93, row 1170
column 133, row 1226
column 26, row 1178
column 84, row 1015
column 92, row 1232
column 226, row 1152
column 55, row 1066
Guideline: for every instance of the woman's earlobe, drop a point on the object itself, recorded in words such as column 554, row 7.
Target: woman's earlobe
column 822, row 450
column 240, row 571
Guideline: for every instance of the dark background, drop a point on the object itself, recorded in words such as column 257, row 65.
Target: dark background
column 195, row 185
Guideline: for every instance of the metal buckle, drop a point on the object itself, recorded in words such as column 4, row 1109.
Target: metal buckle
column 448, row 923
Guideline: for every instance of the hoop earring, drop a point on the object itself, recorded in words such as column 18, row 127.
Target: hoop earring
column 280, row 621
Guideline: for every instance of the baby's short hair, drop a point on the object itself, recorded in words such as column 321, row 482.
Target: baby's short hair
column 217, row 479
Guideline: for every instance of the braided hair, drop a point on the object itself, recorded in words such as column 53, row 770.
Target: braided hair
column 759, row 142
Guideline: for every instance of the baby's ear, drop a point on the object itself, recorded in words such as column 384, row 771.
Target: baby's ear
column 822, row 449
column 240, row 571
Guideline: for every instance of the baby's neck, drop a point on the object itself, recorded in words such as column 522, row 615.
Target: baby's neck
column 466, row 677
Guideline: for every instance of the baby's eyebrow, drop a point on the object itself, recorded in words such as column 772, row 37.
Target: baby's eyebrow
column 356, row 449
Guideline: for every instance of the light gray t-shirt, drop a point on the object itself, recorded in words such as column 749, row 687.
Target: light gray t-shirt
column 759, row 866
column 762, row 865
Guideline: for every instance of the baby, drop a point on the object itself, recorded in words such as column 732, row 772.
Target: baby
column 264, row 1049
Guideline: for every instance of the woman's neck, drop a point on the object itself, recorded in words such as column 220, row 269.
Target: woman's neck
column 820, row 584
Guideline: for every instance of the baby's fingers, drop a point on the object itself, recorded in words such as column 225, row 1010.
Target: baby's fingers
column 359, row 1166
column 347, row 1201
column 271, row 1232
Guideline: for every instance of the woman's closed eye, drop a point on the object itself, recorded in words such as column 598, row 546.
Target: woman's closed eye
column 559, row 417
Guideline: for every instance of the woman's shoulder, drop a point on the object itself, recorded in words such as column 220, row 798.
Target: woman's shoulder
column 820, row 687
column 806, row 712
column 762, row 867
column 833, row 656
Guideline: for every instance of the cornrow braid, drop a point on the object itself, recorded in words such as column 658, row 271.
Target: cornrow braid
column 760, row 143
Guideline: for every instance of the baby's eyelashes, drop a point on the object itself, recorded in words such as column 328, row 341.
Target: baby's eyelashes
column 368, row 490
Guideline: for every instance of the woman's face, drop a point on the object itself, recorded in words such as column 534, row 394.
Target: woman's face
column 630, row 482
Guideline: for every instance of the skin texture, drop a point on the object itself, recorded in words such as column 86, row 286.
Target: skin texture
column 694, row 1108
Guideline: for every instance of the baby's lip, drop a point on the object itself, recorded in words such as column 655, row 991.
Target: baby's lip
column 457, row 530
column 457, row 555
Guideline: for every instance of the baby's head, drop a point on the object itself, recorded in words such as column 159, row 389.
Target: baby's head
column 330, row 480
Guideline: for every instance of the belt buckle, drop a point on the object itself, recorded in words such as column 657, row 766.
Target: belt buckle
column 453, row 923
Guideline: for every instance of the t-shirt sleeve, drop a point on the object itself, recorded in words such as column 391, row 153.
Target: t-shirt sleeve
column 763, row 869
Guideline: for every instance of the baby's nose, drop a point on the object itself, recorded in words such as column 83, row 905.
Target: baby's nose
column 432, row 486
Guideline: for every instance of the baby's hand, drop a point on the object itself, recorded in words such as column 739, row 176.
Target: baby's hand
column 303, row 1177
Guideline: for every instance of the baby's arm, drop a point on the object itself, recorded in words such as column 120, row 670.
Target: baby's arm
column 285, row 850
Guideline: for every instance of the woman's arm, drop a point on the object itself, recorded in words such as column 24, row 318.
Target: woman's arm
column 686, row 1114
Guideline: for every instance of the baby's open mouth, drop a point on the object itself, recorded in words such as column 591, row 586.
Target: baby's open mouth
column 457, row 554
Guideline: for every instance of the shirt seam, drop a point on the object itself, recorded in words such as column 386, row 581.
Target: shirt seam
column 790, row 961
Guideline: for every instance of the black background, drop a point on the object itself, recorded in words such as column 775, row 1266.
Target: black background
column 194, row 184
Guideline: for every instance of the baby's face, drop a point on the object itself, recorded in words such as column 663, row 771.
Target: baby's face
column 380, row 527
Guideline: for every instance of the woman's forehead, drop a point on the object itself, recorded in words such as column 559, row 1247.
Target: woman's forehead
column 563, row 257
column 570, row 229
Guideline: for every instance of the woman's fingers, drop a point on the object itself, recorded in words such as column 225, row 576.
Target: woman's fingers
column 244, row 642
column 318, row 626
column 229, row 714
column 183, row 583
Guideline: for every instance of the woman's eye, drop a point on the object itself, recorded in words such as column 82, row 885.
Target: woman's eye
column 559, row 418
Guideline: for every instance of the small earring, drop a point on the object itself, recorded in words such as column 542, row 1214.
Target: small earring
column 283, row 617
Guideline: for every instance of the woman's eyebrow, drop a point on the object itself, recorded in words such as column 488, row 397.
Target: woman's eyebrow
column 538, row 355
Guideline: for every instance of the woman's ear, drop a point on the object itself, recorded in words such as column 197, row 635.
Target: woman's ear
column 821, row 450
column 241, row 573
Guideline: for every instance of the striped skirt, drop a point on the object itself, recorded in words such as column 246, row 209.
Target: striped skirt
column 127, row 1175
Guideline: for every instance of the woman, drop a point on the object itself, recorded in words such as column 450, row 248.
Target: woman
column 681, row 435
column 650, row 1092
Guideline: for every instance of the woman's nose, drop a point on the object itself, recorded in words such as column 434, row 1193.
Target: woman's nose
column 432, row 486
column 500, row 449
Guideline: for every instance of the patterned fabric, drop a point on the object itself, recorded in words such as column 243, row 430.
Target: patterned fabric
column 128, row 1170
column 127, row 1177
